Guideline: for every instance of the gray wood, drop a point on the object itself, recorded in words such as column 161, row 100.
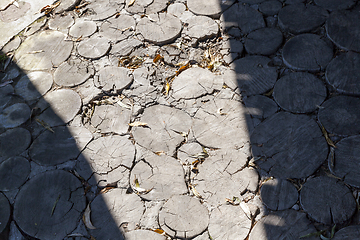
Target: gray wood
column 61, row 107
column 317, row 199
column 201, row 27
column 165, row 126
column 66, row 5
column 279, row 194
column 228, row 222
column 138, row 7
column 343, row 73
column 15, row 115
column 300, row 18
column 187, row 153
column 43, row 51
column 221, row 123
column 62, row 144
column 113, row 78
column 348, row 233
column 195, row 82
column 288, row 224
column 162, row 176
column 208, row 8
column 307, row 52
column 223, row 175
column 340, row 115
column 34, row 85
column 343, row 28
column 114, row 211
column 54, row 208
column 260, row 106
column 82, row 29
column 183, row 217
column 108, row 153
column 94, row 47
column 299, row 92
column 164, row 28
column 254, row 75
column 243, row 17
column 111, row 119
column 270, row 7
column 13, row 173
column 346, row 160
column 333, row 5
column 13, row 142
column 103, row 9
column 125, row 47
column 118, row 28
column 290, row 146
column 73, row 72
column 157, row 6
column 4, row 212
column 263, row 41
column 61, row 22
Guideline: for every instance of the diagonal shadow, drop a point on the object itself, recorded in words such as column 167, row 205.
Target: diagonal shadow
column 41, row 156
column 57, row 182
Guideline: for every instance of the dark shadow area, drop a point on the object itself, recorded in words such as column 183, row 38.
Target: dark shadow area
column 47, row 187
column 288, row 97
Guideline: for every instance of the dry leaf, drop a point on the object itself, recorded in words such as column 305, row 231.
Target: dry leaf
column 159, row 231
column 49, row 8
column 220, row 112
column 157, row 58
column 86, row 218
column 53, row 208
column 246, row 209
column 6, row 83
column 138, row 124
column 159, row 153
column 326, row 135
column 44, row 124
column 106, row 189
column 195, row 192
column 167, row 88
column 131, row 3
column 183, row 68
column 124, row 105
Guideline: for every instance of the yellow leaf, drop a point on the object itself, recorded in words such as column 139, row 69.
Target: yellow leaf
column 159, row 153
column 44, row 124
column 138, row 124
column 86, row 218
column 183, row 68
column 131, row 3
column 167, row 88
column 157, row 58
column 159, row 231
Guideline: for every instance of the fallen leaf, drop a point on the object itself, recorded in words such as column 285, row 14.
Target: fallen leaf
column 33, row 52
column 86, row 218
column 49, row 8
column 159, row 231
column 131, row 3
column 159, row 153
column 157, row 58
column 44, row 124
column 317, row 234
column 53, row 208
column 124, row 105
column 183, row 68
column 246, row 209
column 195, row 192
column 326, row 135
column 106, row 189
column 138, row 124
column 6, row 83
column 167, row 88
column 332, row 231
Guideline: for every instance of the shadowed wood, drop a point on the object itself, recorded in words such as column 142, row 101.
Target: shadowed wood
column 317, row 199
